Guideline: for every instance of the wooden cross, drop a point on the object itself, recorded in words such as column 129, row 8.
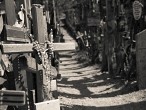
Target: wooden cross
column 39, row 30
column 80, row 36
column 28, row 48
column 27, row 72
column 10, row 12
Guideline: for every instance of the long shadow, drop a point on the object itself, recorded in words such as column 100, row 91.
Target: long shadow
column 78, row 72
column 73, row 64
column 76, row 59
column 80, row 75
column 75, row 68
column 77, row 62
column 67, row 52
column 80, row 66
column 83, row 84
column 130, row 106
column 68, row 60
column 66, row 56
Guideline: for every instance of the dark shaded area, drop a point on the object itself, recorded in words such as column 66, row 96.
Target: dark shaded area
column 69, row 30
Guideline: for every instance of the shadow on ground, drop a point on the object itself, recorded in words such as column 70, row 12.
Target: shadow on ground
column 83, row 84
column 96, row 79
column 131, row 106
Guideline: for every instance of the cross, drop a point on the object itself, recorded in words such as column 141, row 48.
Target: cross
column 26, row 73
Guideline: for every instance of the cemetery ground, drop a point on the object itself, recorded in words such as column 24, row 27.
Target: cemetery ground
column 85, row 87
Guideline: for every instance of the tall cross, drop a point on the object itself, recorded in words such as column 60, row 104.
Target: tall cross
column 23, row 71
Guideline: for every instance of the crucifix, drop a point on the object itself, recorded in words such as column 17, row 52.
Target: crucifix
column 28, row 72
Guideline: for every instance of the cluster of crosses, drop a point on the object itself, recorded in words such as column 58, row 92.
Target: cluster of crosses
column 19, row 61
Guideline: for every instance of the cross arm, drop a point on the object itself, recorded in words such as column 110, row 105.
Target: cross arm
column 28, row 48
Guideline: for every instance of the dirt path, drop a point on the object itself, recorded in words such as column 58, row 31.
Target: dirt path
column 84, row 87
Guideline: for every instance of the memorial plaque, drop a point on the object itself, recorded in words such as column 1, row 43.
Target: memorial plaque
column 137, row 9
